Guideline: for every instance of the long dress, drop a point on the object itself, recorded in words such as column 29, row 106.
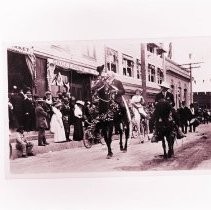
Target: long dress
column 56, row 126
column 78, row 126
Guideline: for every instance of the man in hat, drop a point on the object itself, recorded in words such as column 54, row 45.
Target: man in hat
column 165, row 95
column 22, row 144
column 118, row 90
column 29, row 112
column 41, row 122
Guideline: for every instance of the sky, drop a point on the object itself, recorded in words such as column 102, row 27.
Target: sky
column 200, row 50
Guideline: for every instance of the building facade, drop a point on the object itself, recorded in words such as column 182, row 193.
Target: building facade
column 179, row 79
column 71, row 66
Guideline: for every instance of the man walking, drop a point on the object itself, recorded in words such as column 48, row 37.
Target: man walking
column 41, row 122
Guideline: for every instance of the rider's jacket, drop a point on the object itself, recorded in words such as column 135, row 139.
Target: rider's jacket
column 120, row 90
column 169, row 97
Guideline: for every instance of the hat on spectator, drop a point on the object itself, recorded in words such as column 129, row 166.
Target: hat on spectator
column 165, row 85
column 48, row 93
column 28, row 92
column 40, row 100
column 58, row 104
column 80, row 102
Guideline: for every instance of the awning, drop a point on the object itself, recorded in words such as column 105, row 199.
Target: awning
column 21, row 50
column 79, row 68
column 161, row 50
column 152, row 45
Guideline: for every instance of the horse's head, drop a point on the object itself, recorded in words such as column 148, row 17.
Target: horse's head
column 163, row 109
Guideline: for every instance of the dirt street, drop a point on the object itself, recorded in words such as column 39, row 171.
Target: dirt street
column 193, row 152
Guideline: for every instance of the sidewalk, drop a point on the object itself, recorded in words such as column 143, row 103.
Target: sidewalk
column 33, row 136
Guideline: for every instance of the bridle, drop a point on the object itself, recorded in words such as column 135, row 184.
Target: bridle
column 105, row 85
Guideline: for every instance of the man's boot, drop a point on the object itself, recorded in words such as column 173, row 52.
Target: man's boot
column 180, row 134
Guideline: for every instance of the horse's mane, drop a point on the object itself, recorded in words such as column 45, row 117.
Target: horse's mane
column 163, row 109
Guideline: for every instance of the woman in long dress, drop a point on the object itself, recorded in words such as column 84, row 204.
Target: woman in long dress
column 78, row 122
column 137, row 102
column 56, row 124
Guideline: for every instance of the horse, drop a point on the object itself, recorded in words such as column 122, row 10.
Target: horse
column 141, row 122
column 110, row 114
column 163, row 118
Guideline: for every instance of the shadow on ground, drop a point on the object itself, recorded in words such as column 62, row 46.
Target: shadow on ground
column 187, row 157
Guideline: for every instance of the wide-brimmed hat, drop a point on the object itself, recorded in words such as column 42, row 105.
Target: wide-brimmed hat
column 58, row 104
column 80, row 102
column 48, row 93
column 39, row 100
column 165, row 85
column 138, row 90
column 28, row 92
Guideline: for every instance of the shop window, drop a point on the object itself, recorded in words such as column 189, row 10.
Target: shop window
column 111, row 60
column 150, row 48
column 160, row 76
column 151, row 73
column 128, row 65
column 89, row 51
column 138, row 66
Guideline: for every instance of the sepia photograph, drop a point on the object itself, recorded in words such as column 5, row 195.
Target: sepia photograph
column 105, row 105
column 109, row 106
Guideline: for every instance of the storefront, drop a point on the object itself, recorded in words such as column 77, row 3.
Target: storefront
column 65, row 76
column 21, row 65
column 28, row 68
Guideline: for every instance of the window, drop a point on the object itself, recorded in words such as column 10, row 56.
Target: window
column 160, row 76
column 151, row 73
column 111, row 60
column 138, row 66
column 128, row 65
column 89, row 51
column 150, row 48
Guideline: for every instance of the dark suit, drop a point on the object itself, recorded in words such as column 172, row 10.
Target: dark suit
column 29, row 115
column 169, row 97
column 120, row 92
column 17, row 101
column 41, row 124
column 184, row 115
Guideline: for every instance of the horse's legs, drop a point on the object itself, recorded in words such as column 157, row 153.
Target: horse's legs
column 170, row 139
column 106, row 131
column 127, row 133
column 164, row 147
column 110, row 132
column 141, row 129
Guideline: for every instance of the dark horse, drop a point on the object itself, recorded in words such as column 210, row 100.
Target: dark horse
column 165, row 126
column 110, row 114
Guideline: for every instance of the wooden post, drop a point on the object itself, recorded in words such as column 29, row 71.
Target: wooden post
column 143, row 71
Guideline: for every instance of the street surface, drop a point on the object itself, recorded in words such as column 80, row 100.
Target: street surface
column 193, row 152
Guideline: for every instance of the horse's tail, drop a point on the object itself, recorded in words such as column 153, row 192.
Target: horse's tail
column 127, row 109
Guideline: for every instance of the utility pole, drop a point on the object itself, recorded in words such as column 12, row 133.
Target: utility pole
column 191, row 66
column 143, row 71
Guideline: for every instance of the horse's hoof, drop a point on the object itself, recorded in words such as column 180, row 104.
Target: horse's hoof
column 124, row 150
column 142, row 142
column 121, row 149
column 165, row 156
column 109, row 155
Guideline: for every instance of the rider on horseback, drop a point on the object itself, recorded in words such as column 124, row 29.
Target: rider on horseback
column 138, row 102
column 118, row 90
column 166, row 96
